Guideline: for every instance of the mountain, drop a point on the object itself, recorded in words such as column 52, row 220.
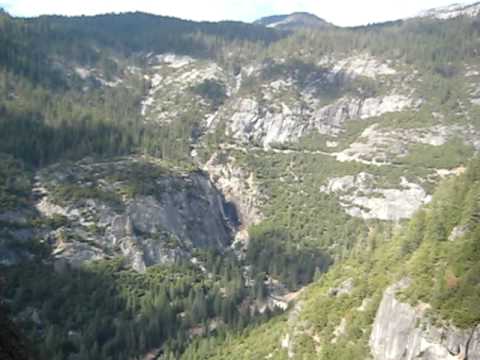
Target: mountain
column 293, row 21
column 180, row 190
column 452, row 11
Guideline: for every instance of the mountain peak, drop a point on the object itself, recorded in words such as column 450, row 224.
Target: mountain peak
column 293, row 21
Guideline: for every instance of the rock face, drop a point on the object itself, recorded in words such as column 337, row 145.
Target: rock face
column 363, row 65
column 171, row 214
column 401, row 332
column 280, row 101
column 195, row 214
column 173, row 80
column 295, row 328
column 283, row 122
column 362, row 197
column 249, row 122
column 238, row 186
column 379, row 146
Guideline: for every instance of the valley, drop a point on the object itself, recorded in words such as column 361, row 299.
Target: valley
column 286, row 189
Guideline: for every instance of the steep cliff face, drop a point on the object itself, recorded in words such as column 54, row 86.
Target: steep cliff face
column 238, row 186
column 292, row 99
column 401, row 331
column 134, row 208
column 282, row 122
column 361, row 196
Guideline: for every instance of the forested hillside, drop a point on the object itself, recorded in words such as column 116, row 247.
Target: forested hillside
column 180, row 190
column 436, row 253
column 70, row 113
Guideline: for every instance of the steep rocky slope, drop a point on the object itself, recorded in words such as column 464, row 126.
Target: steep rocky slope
column 132, row 207
column 292, row 99
column 407, row 335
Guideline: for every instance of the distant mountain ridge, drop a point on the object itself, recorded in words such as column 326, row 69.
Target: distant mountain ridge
column 293, row 21
column 299, row 20
column 452, row 11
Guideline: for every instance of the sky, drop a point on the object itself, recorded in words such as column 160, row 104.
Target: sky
column 338, row 12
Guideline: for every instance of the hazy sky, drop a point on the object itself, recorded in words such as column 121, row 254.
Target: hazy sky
column 339, row 12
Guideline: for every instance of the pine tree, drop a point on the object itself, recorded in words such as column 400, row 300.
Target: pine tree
column 199, row 307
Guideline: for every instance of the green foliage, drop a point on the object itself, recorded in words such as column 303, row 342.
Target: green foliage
column 429, row 44
column 108, row 307
column 115, row 312
column 303, row 75
column 65, row 194
column 306, row 217
column 255, row 343
column 319, row 313
column 40, row 126
column 213, row 91
column 444, row 268
column 271, row 251
column 49, row 114
column 448, row 156
column 444, row 273
column 15, row 183
column 315, row 141
column 133, row 32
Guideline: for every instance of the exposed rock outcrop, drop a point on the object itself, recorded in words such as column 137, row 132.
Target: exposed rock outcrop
column 295, row 328
column 172, row 80
column 238, row 186
column 457, row 232
column 345, row 288
column 250, row 122
column 401, row 331
column 362, row 197
column 379, row 145
column 168, row 216
column 280, row 123
column 363, row 65
column 340, row 330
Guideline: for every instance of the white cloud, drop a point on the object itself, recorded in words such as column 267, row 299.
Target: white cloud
column 340, row 12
